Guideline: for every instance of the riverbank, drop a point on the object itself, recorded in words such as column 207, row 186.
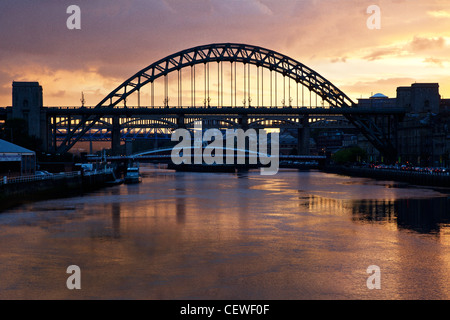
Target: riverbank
column 21, row 190
column 417, row 178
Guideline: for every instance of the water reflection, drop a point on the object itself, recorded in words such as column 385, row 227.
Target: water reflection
column 225, row 236
column 426, row 216
column 180, row 188
column 115, row 212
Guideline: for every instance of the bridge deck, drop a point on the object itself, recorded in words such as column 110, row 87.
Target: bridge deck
column 167, row 111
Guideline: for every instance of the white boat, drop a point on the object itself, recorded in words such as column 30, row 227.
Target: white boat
column 133, row 175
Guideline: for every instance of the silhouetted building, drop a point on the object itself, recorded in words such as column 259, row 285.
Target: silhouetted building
column 349, row 140
column 288, row 142
column 15, row 160
column 330, row 141
column 376, row 101
column 27, row 104
column 422, row 136
column 419, row 98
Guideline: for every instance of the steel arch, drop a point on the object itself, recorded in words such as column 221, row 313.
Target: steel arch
column 230, row 52
column 255, row 123
column 166, row 122
column 238, row 53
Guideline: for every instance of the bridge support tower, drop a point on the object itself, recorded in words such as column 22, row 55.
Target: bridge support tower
column 115, row 136
column 304, row 133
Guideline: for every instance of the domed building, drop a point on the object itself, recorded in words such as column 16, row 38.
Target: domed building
column 379, row 96
column 378, row 100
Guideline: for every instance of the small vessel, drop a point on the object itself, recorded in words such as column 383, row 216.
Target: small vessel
column 133, row 175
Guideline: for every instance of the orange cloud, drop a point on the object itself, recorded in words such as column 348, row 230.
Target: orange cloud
column 422, row 44
column 436, row 61
column 120, row 37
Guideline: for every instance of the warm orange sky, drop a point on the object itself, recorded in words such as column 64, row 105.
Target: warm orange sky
column 120, row 37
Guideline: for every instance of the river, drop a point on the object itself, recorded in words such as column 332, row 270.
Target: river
column 297, row 235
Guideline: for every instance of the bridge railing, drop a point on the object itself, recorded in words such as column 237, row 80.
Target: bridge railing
column 62, row 175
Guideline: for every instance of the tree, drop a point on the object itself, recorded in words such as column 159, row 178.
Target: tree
column 352, row 154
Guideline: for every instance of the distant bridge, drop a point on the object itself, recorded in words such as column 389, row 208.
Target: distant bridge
column 240, row 158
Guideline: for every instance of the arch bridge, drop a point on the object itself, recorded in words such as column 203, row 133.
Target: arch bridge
column 267, row 90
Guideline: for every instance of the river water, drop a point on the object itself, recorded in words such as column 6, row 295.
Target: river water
column 296, row 235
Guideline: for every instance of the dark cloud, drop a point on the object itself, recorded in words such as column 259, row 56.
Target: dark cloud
column 120, row 37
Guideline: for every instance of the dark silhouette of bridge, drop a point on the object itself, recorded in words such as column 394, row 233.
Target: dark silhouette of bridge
column 269, row 90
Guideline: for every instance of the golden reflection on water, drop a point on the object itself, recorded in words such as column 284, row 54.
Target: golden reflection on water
column 298, row 235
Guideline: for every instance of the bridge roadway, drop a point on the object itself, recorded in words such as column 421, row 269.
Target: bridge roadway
column 130, row 112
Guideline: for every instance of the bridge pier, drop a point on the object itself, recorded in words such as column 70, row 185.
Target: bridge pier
column 304, row 134
column 128, row 147
column 52, row 132
column 243, row 122
column 44, row 130
column 180, row 122
column 115, row 136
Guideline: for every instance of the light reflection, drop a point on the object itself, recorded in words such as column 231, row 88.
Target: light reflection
column 180, row 189
column 425, row 216
column 203, row 235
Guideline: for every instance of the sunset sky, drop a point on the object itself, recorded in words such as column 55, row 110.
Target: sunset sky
column 120, row 37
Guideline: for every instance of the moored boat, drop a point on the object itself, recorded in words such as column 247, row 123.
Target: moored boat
column 133, row 175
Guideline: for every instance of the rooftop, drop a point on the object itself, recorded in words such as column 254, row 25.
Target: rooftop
column 379, row 96
column 8, row 147
column 25, row 84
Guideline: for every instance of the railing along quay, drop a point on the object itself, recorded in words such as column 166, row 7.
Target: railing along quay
column 18, row 190
column 413, row 177
column 33, row 178
column 56, row 176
